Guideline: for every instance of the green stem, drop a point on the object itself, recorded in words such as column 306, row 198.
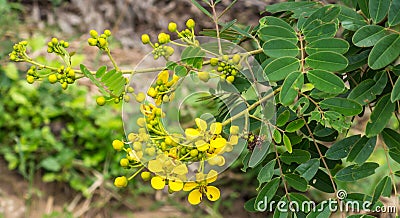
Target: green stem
column 135, row 174
column 226, row 122
column 112, row 60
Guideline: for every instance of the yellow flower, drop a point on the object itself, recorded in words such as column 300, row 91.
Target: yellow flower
column 201, row 145
column 200, row 187
column 201, row 124
column 234, row 130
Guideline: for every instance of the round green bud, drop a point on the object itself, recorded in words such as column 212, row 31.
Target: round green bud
column 101, row 101
column 50, row 44
column 121, row 182
column 49, row 50
column 130, row 89
column 54, row 41
column 194, row 153
column 140, row 97
column 172, row 27
column 102, row 42
column 204, row 76
column 145, row 38
column 52, row 78
column 230, row 79
column 66, row 44
column 71, row 73
column 107, row 33
column 103, row 36
column 117, row 144
column 93, row 33
column 225, row 57
column 124, row 162
column 190, row 23
column 92, row 42
column 145, row 176
column 236, row 58
column 30, row 79
column 214, row 61
column 64, row 85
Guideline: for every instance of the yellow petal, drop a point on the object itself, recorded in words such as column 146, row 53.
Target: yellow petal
column 163, row 76
column 191, row 133
column 195, row 197
column 213, row 160
column 175, row 185
column 234, row 139
column 216, row 128
column 201, row 124
column 221, row 161
column 155, row 166
column 234, row 130
column 212, row 176
column 200, row 177
column 213, row 193
column 201, row 145
column 157, row 182
column 180, row 169
column 218, row 143
column 189, row 186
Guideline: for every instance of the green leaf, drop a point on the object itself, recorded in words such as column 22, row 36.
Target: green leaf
column 385, row 51
column 334, row 45
column 362, row 150
column 326, row 60
column 378, row 9
column 350, row 19
column 288, row 6
column 397, row 173
column 277, row 136
column 364, row 93
column 266, row 173
column 326, row 14
column 356, row 61
column 180, row 71
column 193, row 56
column 368, row 36
column 392, row 140
column 51, row 164
column 295, row 125
column 274, row 21
column 276, row 48
column 287, row 143
column 283, row 118
column 394, row 13
column 267, row 192
column 308, row 169
column 343, row 106
column 384, row 188
column 322, row 182
column 395, row 95
column 201, row 8
column 258, row 154
column 100, row 72
column 380, row 116
column 249, row 205
column 355, row 172
column 327, row 30
column 289, row 92
column 296, row 182
column 326, row 81
column 277, row 32
column 245, row 161
column 89, row 75
column 322, row 210
column 280, row 68
column 11, row 71
column 363, row 4
column 297, row 156
column 300, row 199
column 341, row 148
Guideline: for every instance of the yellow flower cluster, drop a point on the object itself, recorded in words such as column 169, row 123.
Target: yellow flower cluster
column 99, row 41
column 227, row 67
column 57, row 46
column 163, row 89
column 19, row 51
